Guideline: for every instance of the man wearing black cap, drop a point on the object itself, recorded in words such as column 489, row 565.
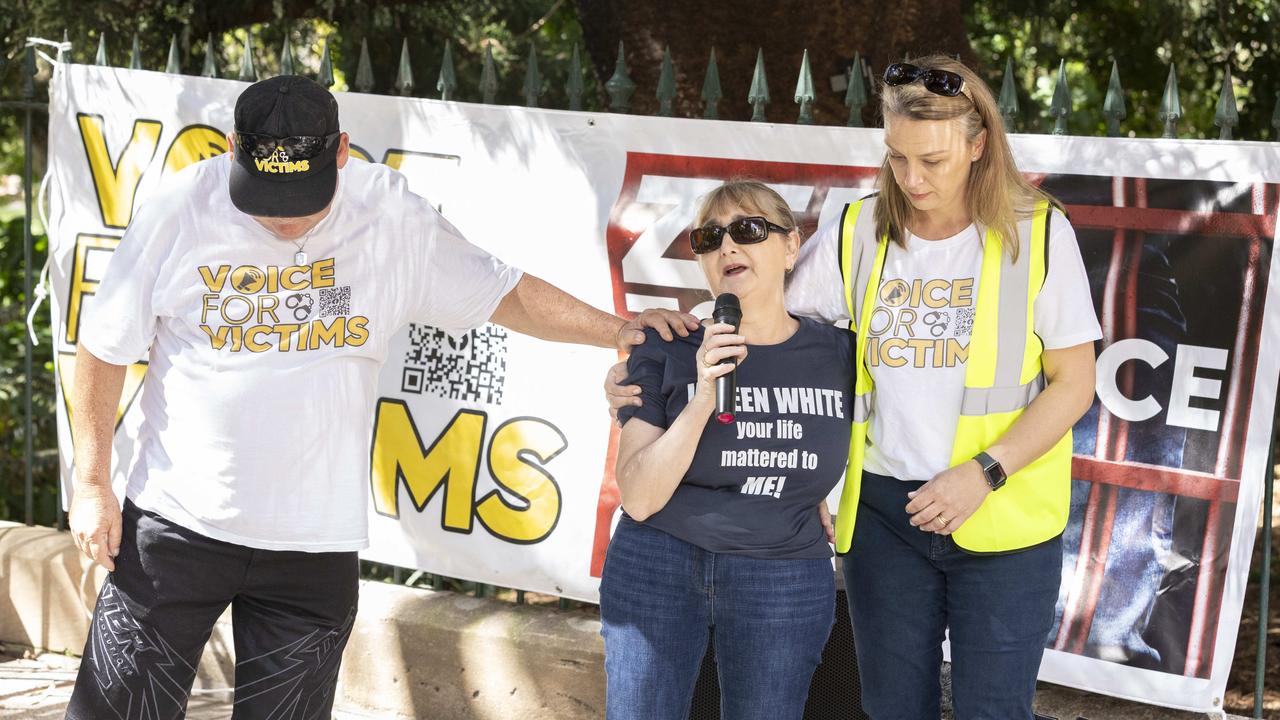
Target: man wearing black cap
column 264, row 290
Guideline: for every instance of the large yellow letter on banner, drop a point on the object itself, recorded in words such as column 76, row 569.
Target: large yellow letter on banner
column 515, row 444
column 116, row 183
column 451, row 462
column 193, row 144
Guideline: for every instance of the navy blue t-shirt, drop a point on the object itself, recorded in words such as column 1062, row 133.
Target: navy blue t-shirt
column 754, row 485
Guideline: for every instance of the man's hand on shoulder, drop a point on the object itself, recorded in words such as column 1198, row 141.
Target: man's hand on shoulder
column 668, row 323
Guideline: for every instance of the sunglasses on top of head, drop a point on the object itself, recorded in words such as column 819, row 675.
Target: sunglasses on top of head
column 744, row 231
column 938, row 82
column 297, row 147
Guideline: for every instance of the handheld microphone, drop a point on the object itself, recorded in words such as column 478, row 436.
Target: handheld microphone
column 728, row 311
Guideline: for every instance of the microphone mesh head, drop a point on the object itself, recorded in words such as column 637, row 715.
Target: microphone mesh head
column 727, row 307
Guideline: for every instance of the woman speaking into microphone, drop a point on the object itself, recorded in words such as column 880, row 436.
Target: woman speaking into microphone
column 719, row 533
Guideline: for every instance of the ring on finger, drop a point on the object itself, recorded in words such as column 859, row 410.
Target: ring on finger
column 942, row 522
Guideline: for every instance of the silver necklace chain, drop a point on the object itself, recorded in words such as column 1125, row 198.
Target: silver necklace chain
column 300, row 257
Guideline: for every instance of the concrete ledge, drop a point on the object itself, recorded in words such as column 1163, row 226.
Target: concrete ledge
column 41, row 574
column 417, row 653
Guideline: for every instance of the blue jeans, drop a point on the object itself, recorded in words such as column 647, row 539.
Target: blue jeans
column 906, row 587
column 660, row 600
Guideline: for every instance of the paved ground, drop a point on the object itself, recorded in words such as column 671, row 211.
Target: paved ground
column 38, row 689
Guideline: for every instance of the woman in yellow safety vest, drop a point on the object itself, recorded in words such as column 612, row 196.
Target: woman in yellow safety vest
column 975, row 331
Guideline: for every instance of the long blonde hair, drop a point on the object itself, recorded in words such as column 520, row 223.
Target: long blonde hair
column 997, row 196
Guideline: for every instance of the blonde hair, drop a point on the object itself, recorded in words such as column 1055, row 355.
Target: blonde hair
column 997, row 196
column 747, row 194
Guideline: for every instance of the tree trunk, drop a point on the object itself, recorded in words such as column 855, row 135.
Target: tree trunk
column 832, row 31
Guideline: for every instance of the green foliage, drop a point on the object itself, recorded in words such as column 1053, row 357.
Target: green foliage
column 1143, row 36
column 508, row 25
column 13, row 333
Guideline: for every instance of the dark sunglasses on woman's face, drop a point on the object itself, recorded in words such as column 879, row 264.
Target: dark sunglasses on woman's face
column 297, row 147
column 744, row 231
column 938, row 82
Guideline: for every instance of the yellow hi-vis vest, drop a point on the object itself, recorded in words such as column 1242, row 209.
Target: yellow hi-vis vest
column 1003, row 374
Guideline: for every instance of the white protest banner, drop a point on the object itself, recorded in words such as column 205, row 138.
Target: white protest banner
column 491, row 455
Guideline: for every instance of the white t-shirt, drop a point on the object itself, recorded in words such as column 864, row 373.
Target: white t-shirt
column 257, row 403
column 919, row 387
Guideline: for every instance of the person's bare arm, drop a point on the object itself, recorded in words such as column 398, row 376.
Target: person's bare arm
column 95, row 513
column 538, row 308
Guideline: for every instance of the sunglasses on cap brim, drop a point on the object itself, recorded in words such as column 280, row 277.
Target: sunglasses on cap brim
column 744, row 231
column 296, row 147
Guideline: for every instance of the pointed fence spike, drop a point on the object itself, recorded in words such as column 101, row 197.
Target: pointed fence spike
column 758, row 96
column 248, row 73
column 1170, row 105
column 804, row 91
column 855, row 96
column 1008, row 102
column 404, row 75
column 101, row 57
column 711, row 92
column 325, row 78
column 489, row 76
column 364, row 69
column 1113, row 106
column 286, row 56
column 620, row 87
column 1060, row 107
column 448, row 80
column 174, row 65
column 135, row 55
column 1227, row 115
column 210, row 69
column 666, row 84
column 532, row 78
column 573, row 86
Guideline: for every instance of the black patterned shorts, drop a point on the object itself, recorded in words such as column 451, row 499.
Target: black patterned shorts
column 292, row 613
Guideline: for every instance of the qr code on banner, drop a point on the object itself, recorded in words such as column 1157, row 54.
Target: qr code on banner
column 964, row 322
column 470, row 368
column 335, row 301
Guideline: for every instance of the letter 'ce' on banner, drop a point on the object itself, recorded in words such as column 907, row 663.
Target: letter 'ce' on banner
column 491, row 453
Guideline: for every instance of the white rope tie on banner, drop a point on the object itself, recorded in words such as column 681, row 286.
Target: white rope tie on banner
column 41, row 288
column 60, row 46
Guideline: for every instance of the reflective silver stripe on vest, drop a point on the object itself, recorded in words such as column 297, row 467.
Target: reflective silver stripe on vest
column 861, row 407
column 985, row 401
column 1015, row 280
column 864, row 248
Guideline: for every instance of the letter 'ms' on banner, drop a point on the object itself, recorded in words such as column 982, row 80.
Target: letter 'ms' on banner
column 491, row 454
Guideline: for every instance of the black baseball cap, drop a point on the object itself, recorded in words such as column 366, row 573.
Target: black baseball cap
column 285, row 107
